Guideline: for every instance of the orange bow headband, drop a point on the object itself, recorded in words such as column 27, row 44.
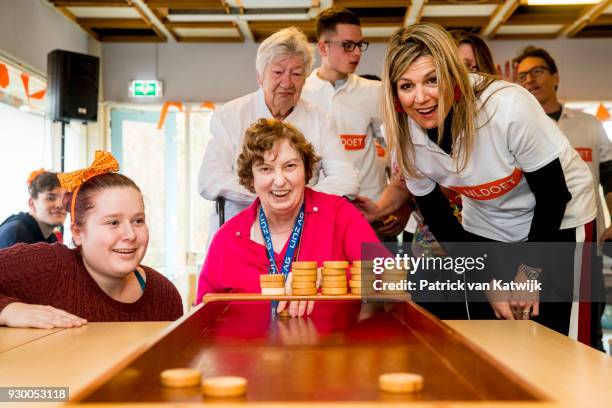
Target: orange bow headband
column 33, row 176
column 103, row 163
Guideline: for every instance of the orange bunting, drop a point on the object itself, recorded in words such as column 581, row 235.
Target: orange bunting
column 4, row 76
column 602, row 113
column 207, row 105
column 164, row 112
column 103, row 163
column 25, row 78
column 35, row 174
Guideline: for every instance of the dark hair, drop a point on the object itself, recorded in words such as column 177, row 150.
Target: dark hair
column 261, row 137
column 84, row 199
column 45, row 181
column 531, row 51
column 328, row 19
column 482, row 53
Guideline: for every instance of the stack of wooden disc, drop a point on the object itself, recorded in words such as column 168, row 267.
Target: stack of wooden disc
column 304, row 278
column 334, row 278
column 362, row 277
column 272, row 284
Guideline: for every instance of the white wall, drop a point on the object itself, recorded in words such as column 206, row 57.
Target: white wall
column 219, row 72
column 29, row 29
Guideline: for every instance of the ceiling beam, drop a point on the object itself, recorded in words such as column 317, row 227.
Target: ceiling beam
column 112, row 23
column 89, row 3
column 414, row 12
column 589, row 15
column 501, row 14
column 151, row 18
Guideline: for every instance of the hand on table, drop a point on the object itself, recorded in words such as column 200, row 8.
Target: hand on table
column 297, row 308
column 524, row 304
column 19, row 314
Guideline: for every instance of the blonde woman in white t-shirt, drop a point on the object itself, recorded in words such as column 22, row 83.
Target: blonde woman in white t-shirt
column 489, row 140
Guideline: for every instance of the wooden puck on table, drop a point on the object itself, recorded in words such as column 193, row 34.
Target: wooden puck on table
column 400, row 382
column 223, row 387
column 180, row 377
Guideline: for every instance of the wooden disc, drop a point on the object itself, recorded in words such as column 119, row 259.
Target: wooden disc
column 180, row 377
column 272, row 277
column 304, row 265
column 304, row 278
column 273, row 291
column 334, row 278
column 334, row 291
column 333, row 272
column 326, row 285
column 304, row 272
column 400, row 382
column 354, row 284
column 304, row 292
column 223, row 387
column 303, row 285
column 363, row 264
column 336, row 264
column 272, row 284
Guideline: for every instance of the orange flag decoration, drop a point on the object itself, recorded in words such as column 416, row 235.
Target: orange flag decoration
column 207, row 105
column 25, row 78
column 164, row 112
column 4, row 76
column 602, row 113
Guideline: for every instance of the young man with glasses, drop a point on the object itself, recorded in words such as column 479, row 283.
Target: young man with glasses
column 537, row 72
column 352, row 101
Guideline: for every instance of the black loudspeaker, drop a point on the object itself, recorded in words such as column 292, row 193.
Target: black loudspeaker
column 72, row 86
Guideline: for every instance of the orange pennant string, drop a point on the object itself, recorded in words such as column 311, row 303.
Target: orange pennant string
column 602, row 113
column 164, row 112
column 4, row 76
column 25, row 78
column 207, row 105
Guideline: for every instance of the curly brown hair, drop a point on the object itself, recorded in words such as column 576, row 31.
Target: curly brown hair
column 262, row 137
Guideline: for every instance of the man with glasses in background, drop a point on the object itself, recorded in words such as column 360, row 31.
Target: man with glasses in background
column 537, row 72
column 352, row 101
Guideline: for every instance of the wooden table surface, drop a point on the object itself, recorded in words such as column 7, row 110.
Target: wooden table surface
column 569, row 373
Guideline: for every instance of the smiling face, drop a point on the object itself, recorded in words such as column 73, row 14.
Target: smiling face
column 543, row 86
column 280, row 180
column 332, row 51
column 282, row 82
column 114, row 236
column 47, row 208
column 419, row 93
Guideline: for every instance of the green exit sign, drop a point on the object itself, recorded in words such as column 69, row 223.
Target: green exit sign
column 145, row 89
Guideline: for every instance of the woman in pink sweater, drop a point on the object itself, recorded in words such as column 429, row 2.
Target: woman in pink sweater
column 298, row 223
column 46, row 286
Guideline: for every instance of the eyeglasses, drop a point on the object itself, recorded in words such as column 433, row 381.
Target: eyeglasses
column 534, row 72
column 349, row 46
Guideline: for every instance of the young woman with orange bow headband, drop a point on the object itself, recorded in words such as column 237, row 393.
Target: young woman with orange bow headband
column 101, row 279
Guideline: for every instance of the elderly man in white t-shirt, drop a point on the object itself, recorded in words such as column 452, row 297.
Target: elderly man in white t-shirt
column 283, row 62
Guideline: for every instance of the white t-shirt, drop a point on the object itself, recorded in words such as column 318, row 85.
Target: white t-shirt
column 588, row 137
column 513, row 136
column 355, row 108
column 218, row 172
